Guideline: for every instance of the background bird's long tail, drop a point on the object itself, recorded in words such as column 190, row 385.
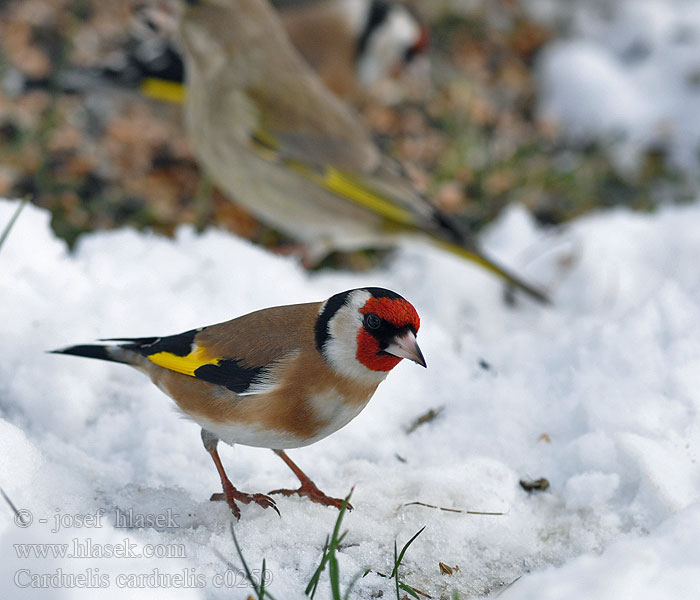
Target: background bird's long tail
column 493, row 267
column 451, row 236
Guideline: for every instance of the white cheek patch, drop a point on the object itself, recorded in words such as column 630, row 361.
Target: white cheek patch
column 340, row 350
column 387, row 45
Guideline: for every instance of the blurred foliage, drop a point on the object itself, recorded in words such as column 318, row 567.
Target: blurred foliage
column 97, row 154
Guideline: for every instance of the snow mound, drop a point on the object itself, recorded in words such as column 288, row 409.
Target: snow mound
column 598, row 394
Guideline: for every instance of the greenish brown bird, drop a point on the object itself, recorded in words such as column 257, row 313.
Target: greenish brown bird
column 278, row 142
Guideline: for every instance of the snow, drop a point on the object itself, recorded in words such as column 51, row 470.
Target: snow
column 599, row 394
column 627, row 73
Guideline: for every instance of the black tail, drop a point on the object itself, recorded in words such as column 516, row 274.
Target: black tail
column 89, row 351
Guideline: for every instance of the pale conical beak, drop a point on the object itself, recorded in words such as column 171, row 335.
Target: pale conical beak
column 405, row 346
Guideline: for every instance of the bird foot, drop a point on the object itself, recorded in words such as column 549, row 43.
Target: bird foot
column 314, row 494
column 230, row 495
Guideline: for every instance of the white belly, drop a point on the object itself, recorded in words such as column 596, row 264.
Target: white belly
column 330, row 408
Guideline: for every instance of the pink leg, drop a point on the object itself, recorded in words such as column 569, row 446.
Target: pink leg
column 308, row 488
column 231, row 494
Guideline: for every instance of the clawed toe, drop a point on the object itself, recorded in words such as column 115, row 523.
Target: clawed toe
column 315, row 495
column 260, row 499
column 231, row 494
column 336, row 502
column 266, row 502
column 219, row 497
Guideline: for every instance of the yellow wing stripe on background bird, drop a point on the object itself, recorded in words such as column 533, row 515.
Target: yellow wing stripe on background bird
column 344, row 185
column 266, row 145
column 184, row 364
column 352, row 189
column 161, row 89
column 265, row 140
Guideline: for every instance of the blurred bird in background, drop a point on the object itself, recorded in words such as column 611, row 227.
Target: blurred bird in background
column 276, row 140
column 352, row 44
column 268, row 131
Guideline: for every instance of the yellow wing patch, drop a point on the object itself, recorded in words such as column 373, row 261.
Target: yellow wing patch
column 353, row 189
column 345, row 185
column 184, row 364
column 160, row 89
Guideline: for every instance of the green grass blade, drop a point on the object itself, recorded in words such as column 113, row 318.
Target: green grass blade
column 328, row 556
column 408, row 589
column 248, row 574
column 336, row 539
column 396, row 579
column 262, row 580
column 259, row 589
column 11, row 222
column 18, row 516
column 334, row 576
column 313, row 582
column 398, row 560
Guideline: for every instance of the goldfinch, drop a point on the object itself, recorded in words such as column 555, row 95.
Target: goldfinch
column 279, row 378
column 354, row 44
column 279, row 143
column 351, row 44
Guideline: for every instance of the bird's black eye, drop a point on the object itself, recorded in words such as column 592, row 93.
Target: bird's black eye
column 372, row 321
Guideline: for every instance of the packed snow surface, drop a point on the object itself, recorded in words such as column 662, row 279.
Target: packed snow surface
column 599, row 394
